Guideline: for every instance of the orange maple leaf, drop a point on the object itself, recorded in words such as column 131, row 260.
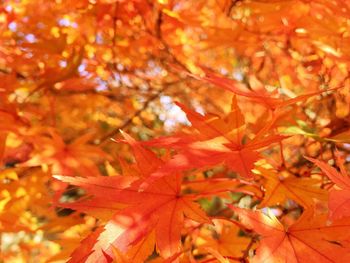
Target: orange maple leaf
column 224, row 238
column 162, row 207
column 214, row 140
column 280, row 188
column 339, row 199
column 77, row 157
column 309, row 240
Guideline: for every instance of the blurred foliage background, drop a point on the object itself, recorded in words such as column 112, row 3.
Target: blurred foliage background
column 73, row 73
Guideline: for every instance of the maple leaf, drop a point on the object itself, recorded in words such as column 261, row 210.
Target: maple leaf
column 67, row 159
column 214, row 140
column 309, row 240
column 160, row 207
column 226, row 239
column 339, row 200
column 279, row 188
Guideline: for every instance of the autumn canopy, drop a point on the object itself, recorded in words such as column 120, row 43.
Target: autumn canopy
column 180, row 131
